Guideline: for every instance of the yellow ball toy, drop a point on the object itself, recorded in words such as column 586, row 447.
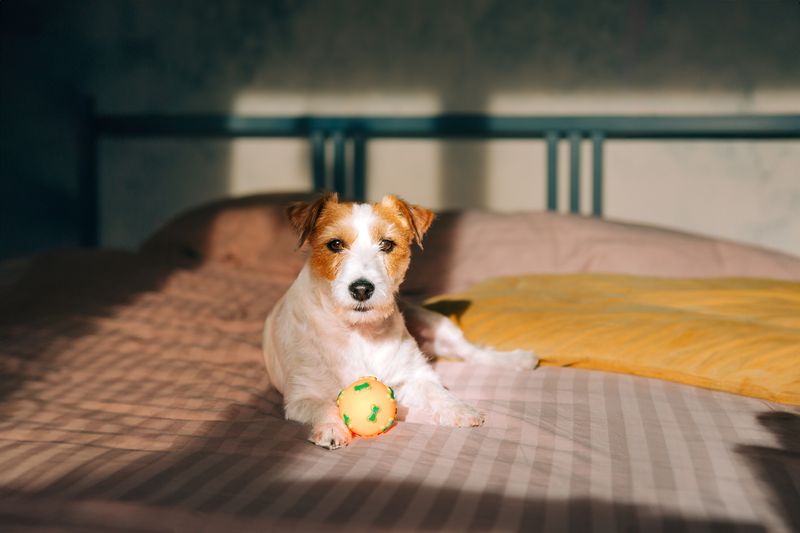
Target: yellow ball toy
column 367, row 407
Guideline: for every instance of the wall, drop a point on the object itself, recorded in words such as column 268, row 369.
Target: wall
column 413, row 57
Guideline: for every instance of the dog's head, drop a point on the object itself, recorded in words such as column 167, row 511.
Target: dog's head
column 360, row 252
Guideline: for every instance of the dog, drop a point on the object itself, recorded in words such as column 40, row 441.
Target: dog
column 341, row 320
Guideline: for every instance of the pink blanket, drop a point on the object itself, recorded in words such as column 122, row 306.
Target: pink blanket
column 133, row 396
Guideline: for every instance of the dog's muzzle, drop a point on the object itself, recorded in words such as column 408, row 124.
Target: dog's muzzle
column 361, row 290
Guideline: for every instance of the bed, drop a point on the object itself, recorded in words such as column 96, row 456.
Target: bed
column 134, row 395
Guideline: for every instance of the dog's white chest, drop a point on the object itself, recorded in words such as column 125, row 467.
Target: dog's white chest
column 367, row 357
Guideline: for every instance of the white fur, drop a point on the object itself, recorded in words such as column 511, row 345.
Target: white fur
column 316, row 343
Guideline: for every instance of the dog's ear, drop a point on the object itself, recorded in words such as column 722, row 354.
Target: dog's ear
column 419, row 219
column 304, row 216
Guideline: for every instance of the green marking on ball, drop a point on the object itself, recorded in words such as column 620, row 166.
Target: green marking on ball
column 374, row 414
column 339, row 395
column 363, row 386
column 390, row 424
column 391, row 392
column 346, row 419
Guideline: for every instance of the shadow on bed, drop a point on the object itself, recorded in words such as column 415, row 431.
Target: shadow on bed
column 60, row 301
column 228, row 476
column 64, row 297
column 779, row 467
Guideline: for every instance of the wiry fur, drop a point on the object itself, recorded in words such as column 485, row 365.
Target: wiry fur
column 318, row 338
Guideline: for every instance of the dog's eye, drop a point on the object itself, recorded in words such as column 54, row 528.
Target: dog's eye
column 335, row 245
column 386, row 245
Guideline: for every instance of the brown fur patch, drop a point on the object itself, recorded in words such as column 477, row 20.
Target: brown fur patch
column 391, row 225
column 417, row 218
column 304, row 216
column 329, row 226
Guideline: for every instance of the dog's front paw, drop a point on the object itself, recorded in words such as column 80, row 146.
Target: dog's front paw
column 330, row 435
column 459, row 415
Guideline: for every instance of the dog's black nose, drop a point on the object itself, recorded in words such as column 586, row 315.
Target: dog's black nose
column 361, row 289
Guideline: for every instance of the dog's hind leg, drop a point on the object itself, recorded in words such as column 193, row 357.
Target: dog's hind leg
column 437, row 335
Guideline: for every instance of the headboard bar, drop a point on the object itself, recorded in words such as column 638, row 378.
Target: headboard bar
column 552, row 138
column 575, row 138
column 454, row 125
column 597, row 173
column 353, row 132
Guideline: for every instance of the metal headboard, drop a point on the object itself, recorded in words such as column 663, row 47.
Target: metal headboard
column 352, row 182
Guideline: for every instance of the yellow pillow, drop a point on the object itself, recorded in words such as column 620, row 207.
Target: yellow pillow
column 732, row 334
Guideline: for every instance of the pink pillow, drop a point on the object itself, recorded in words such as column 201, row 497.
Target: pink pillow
column 250, row 232
column 462, row 248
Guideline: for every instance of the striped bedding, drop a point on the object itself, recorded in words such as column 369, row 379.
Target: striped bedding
column 133, row 397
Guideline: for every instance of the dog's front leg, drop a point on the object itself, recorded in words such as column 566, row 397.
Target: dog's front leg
column 427, row 392
column 327, row 428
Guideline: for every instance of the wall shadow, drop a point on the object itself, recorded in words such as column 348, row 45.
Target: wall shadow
column 137, row 58
column 463, row 172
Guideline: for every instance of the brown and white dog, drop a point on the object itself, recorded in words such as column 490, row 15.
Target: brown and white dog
column 340, row 319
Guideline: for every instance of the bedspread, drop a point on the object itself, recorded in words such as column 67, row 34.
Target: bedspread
column 134, row 397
